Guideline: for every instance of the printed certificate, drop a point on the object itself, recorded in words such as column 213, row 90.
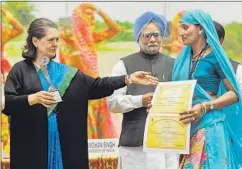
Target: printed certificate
column 163, row 131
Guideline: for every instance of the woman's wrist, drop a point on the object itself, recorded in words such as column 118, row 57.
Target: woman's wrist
column 31, row 99
column 207, row 106
column 203, row 109
column 128, row 80
column 211, row 106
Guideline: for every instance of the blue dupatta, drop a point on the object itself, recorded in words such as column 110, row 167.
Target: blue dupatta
column 61, row 76
column 232, row 114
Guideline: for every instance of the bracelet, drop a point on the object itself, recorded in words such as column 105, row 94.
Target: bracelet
column 204, row 109
column 211, row 106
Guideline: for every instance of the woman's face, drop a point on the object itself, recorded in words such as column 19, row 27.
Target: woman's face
column 189, row 33
column 47, row 45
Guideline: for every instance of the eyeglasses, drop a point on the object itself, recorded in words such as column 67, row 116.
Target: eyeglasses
column 156, row 35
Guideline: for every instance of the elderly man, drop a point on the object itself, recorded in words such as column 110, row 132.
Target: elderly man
column 134, row 100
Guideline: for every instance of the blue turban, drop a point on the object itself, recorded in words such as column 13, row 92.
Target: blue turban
column 145, row 19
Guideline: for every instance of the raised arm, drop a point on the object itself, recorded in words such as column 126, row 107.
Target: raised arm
column 83, row 21
column 16, row 27
column 111, row 31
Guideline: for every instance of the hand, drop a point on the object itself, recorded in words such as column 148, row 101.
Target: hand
column 89, row 6
column 7, row 14
column 146, row 100
column 3, row 11
column 192, row 114
column 42, row 97
column 143, row 78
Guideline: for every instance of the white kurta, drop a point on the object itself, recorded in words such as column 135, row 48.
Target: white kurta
column 135, row 158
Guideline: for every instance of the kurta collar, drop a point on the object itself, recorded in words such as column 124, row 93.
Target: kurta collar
column 148, row 56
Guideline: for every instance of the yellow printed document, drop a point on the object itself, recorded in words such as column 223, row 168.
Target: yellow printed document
column 163, row 131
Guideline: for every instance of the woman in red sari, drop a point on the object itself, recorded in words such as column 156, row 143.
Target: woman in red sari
column 79, row 49
column 7, row 34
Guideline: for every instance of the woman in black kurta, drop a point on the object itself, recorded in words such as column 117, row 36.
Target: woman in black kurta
column 30, row 106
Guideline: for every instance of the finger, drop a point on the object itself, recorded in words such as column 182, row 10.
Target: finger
column 188, row 116
column 149, row 105
column 49, row 98
column 45, row 105
column 185, row 113
column 187, row 121
column 145, row 73
column 49, row 94
column 146, row 104
column 153, row 82
column 151, row 78
column 148, row 98
column 48, row 102
column 148, row 108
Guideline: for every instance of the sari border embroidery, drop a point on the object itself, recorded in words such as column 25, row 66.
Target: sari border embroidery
column 64, row 85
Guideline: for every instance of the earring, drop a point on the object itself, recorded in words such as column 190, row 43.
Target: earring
column 200, row 32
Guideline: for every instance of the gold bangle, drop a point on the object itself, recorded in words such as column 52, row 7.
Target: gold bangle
column 211, row 107
column 204, row 109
